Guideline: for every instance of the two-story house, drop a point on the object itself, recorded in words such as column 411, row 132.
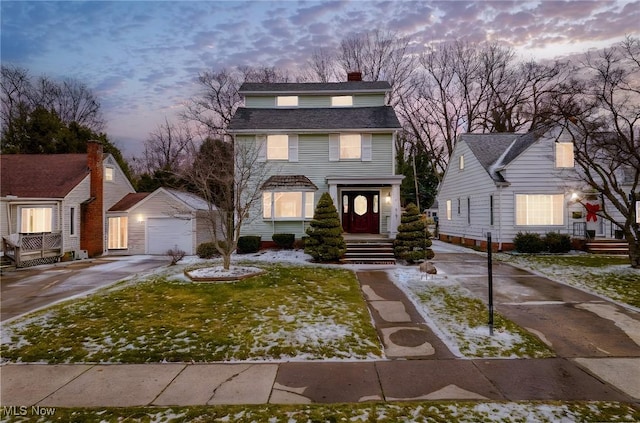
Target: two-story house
column 505, row 183
column 322, row 137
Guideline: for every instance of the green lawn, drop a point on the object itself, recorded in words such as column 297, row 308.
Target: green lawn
column 431, row 411
column 290, row 311
column 610, row 276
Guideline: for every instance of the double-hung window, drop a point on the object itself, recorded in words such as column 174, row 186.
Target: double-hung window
column 539, row 209
column 278, row 147
column 287, row 205
column 36, row 219
column 350, row 146
column 109, row 174
column 118, row 232
column 564, row 154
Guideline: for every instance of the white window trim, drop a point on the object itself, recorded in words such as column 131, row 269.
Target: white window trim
column 342, row 101
column 564, row 153
column 307, row 206
column 49, row 207
column 106, row 174
column 120, row 228
column 292, row 151
column 366, row 148
column 560, row 201
column 287, row 101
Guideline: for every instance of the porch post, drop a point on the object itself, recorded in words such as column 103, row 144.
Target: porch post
column 333, row 192
column 394, row 219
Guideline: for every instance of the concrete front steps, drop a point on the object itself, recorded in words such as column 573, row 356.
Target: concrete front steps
column 607, row 246
column 369, row 251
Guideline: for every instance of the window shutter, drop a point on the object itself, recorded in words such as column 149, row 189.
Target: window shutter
column 366, row 147
column 334, row 147
column 293, row 147
column 261, row 142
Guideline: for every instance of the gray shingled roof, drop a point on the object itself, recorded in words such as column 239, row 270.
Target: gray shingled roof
column 494, row 151
column 288, row 181
column 315, row 87
column 253, row 119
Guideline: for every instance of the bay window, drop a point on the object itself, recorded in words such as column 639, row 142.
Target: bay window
column 539, row 209
column 287, row 205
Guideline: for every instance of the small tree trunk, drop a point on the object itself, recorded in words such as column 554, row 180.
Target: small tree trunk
column 226, row 261
column 634, row 252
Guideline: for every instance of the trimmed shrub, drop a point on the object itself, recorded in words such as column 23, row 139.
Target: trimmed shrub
column 557, row 243
column 284, row 241
column 206, row 250
column 528, row 242
column 248, row 244
column 412, row 241
column 325, row 241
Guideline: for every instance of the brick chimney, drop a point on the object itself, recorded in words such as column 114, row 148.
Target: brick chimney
column 92, row 213
column 354, row 76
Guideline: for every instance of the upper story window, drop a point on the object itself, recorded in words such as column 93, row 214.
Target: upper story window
column 286, row 100
column 341, row 100
column 278, row 147
column 36, row 219
column 461, row 162
column 564, row 154
column 108, row 174
column 350, row 147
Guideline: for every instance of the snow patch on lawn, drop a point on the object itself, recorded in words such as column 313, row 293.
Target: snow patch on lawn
column 220, row 272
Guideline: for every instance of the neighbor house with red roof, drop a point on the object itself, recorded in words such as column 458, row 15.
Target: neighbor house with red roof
column 83, row 205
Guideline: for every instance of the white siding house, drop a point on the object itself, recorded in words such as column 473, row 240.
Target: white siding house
column 510, row 183
column 321, row 137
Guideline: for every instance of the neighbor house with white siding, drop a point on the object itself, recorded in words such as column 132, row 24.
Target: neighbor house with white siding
column 322, row 137
column 505, row 183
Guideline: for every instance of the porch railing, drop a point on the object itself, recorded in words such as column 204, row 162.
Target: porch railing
column 33, row 248
column 580, row 230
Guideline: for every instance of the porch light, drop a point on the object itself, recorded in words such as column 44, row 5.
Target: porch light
column 387, row 199
column 574, row 197
column 140, row 218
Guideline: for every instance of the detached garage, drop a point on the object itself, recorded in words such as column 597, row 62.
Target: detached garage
column 152, row 223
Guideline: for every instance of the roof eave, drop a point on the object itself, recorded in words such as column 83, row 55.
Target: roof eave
column 311, row 131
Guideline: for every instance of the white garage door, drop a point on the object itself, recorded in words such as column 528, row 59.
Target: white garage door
column 166, row 233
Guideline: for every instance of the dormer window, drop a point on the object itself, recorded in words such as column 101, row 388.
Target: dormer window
column 341, row 100
column 287, row 101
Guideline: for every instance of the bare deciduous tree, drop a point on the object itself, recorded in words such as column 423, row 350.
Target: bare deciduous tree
column 605, row 108
column 230, row 180
column 166, row 147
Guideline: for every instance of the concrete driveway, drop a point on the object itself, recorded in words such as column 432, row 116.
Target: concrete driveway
column 26, row 290
column 572, row 322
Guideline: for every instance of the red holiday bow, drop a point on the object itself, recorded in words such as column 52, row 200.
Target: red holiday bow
column 592, row 209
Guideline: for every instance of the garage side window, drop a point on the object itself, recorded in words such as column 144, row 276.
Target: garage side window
column 118, row 232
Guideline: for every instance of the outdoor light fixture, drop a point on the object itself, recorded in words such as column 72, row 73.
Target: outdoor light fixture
column 140, row 218
column 387, row 199
column 574, row 197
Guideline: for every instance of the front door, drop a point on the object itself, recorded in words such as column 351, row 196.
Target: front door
column 361, row 212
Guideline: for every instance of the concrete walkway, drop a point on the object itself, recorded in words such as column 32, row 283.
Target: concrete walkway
column 419, row 365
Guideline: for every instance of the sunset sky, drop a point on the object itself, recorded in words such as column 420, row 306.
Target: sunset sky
column 142, row 58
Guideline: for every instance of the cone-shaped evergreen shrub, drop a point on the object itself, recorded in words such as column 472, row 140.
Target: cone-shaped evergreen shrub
column 325, row 241
column 412, row 242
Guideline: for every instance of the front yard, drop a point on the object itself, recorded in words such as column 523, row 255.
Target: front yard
column 298, row 312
